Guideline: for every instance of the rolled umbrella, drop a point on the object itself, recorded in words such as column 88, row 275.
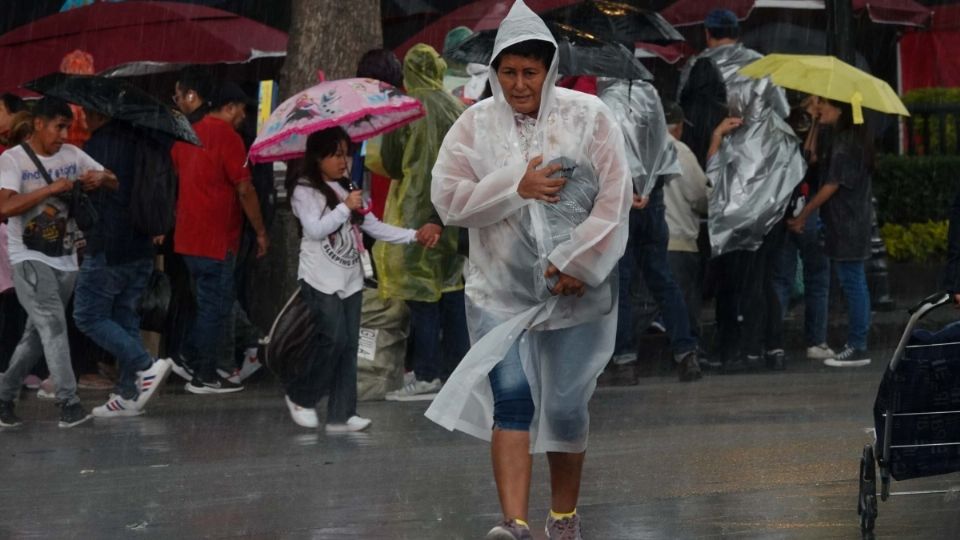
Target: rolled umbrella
column 119, row 100
column 363, row 107
column 617, row 22
column 580, row 54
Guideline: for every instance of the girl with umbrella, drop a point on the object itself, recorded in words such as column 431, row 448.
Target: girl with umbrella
column 844, row 199
column 331, row 215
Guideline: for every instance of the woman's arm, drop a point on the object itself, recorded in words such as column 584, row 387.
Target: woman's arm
column 463, row 199
column 596, row 245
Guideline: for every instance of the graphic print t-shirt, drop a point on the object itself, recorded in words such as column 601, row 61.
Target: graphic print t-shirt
column 18, row 173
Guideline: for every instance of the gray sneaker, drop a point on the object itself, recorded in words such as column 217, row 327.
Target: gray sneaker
column 564, row 529
column 509, row 530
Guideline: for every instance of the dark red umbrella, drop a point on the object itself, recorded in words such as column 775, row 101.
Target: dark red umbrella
column 900, row 12
column 134, row 32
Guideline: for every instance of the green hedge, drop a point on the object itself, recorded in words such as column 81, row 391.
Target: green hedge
column 918, row 242
column 915, row 189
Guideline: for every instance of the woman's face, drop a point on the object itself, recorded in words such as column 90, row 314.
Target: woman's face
column 522, row 81
column 829, row 113
column 334, row 167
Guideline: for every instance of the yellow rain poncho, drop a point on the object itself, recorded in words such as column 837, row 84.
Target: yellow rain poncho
column 411, row 272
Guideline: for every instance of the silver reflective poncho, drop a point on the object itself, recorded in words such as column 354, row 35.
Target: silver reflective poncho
column 638, row 109
column 513, row 241
column 758, row 165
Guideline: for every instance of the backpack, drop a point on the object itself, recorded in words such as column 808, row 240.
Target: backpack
column 153, row 198
column 704, row 98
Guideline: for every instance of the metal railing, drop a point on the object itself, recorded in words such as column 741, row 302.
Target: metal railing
column 932, row 130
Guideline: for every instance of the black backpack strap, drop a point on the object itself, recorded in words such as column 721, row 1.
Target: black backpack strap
column 36, row 161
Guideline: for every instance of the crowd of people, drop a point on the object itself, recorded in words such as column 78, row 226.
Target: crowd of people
column 532, row 236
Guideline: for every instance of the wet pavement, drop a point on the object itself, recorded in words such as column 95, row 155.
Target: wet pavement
column 763, row 455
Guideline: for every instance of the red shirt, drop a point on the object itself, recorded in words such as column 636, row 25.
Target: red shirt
column 209, row 215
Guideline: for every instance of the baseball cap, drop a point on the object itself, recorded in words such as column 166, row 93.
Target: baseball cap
column 230, row 92
column 721, row 18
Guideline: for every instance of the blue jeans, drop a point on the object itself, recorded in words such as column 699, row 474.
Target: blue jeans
column 431, row 323
column 853, row 279
column 105, row 309
column 332, row 367
column 213, row 289
column 512, row 401
column 816, row 279
column 647, row 249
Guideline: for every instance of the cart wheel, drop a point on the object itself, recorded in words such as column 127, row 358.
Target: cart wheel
column 867, row 501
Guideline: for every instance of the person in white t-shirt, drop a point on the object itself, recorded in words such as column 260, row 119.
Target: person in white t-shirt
column 331, row 276
column 41, row 241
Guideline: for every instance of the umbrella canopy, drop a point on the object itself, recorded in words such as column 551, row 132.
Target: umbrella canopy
column 580, row 54
column 118, row 100
column 615, row 21
column 828, row 77
column 363, row 107
column 899, row 12
column 135, row 32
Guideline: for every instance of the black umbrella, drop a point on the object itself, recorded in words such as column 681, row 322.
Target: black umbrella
column 580, row 54
column 617, row 22
column 117, row 99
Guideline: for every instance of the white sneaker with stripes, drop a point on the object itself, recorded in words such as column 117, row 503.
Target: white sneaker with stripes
column 117, row 406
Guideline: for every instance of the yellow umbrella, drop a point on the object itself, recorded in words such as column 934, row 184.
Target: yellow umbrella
column 828, row 77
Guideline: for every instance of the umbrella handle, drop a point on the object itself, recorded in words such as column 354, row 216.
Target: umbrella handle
column 856, row 104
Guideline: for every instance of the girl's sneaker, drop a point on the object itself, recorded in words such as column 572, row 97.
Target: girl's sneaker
column 354, row 423
column 302, row 416
column 848, row 357
column 509, row 530
column 31, row 382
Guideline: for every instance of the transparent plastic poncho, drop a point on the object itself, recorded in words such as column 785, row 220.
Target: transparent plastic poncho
column 513, row 241
column 758, row 165
column 638, row 109
column 410, row 271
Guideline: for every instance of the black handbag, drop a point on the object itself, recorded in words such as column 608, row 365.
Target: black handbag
column 79, row 205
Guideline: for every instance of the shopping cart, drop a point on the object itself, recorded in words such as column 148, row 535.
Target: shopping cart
column 917, row 412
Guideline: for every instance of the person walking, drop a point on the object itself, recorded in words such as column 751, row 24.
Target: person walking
column 41, row 245
column 116, row 265
column 653, row 160
column 430, row 281
column 539, row 176
column 844, row 201
column 215, row 192
column 331, row 216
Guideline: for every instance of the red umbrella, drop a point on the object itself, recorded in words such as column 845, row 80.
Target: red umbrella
column 479, row 15
column 901, row 12
column 118, row 34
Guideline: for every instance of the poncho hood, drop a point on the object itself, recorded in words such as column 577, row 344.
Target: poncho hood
column 520, row 25
column 423, row 69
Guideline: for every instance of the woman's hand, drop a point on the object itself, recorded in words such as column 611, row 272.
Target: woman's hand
column 726, row 126
column 797, row 224
column 354, row 200
column 536, row 184
column 566, row 285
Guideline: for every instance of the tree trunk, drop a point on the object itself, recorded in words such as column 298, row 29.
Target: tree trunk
column 328, row 35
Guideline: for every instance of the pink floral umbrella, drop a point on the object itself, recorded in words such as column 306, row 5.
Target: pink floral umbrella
column 365, row 108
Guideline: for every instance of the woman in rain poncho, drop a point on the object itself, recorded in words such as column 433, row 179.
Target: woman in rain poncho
column 541, row 292
column 430, row 281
